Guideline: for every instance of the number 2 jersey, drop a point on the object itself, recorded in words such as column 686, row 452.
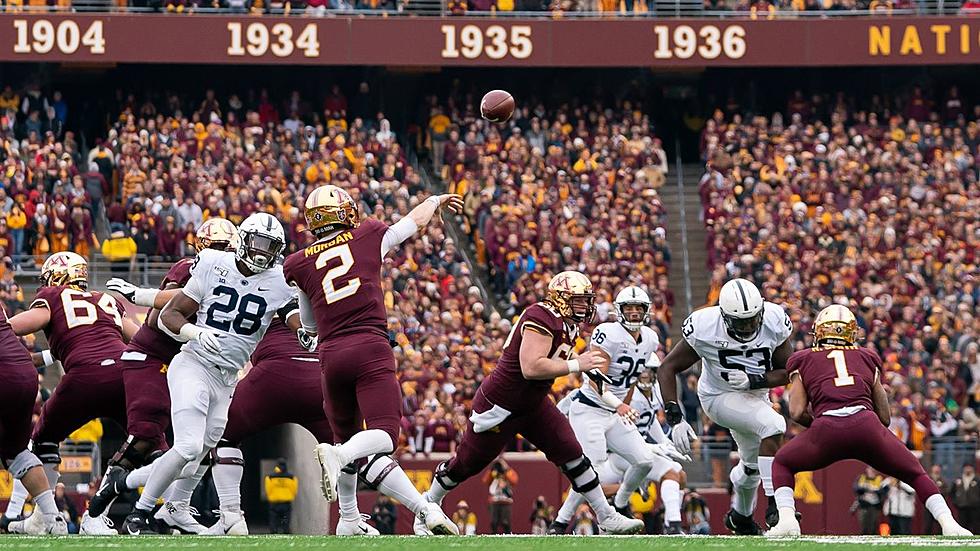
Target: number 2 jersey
column 627, row 358
column 238, row 307
column 341, row 277
column 707, row 334
column 506, row 385
column 839, row 380
column 85, row 328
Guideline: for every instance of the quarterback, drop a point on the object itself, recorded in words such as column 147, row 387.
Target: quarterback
column 743, row 345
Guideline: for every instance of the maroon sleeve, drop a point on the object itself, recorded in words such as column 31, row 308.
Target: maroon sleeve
column 179, row 273
column 289, row 266
column 537, row 318
column 46, row 298
column 795, row 361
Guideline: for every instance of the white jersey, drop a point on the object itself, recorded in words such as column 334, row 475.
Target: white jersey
column 647, row 409
column 239, row 308
column 627, row 357
column 707, row 334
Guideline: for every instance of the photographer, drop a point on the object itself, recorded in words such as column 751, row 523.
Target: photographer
column 501, row 480
column 541, row 517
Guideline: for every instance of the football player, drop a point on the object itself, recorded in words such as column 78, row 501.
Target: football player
column 341, row 301
column 87, row 331
column 17, row 395
column 144, row 368
column 514, row 399
column 743, row 344
column 837, row 394
column 233, row 296
column 599, row 418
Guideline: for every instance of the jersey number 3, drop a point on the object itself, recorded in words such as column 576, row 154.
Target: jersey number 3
column 245, row 314
column 330, row 290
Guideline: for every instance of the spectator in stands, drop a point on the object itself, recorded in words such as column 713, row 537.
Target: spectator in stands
column 119, row 250
column 541, row 516
column 465, row 519
column 696, row 513
column 501, row 480
column 966, row 497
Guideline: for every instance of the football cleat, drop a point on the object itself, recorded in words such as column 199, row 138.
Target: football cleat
column 557, row 528
column 356, row 527
column 96, row 526
column 787, row 525
column 741, row 525
column 138, row 522
column 113, row 485
column 618, row 524
column 328, row 456
column 418, row 525
column 5, row 521
column 37, row 525
column 178, row 518
column 674, row 529
column 229, row 524
column 436, row 520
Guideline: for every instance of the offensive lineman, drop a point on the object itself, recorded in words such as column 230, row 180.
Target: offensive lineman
column 234, row 296
column 839, row 383
column 514, row 399
column 341, row 302
column 598, row 416
column 743, row 344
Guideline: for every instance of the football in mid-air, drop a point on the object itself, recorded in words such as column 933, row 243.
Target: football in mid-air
column 497, row 106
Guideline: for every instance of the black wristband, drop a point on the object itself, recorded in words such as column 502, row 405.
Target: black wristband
column 672, row 411
column 757, row 382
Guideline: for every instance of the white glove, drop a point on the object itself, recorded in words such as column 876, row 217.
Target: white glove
column 682, row 435
column 209, row 340
column 307, row 340
column 737, row 378
column 670, row 452
column 132, row 293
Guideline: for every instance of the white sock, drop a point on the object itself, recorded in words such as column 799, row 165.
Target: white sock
column 45, row 504
column 365, row 443
column 165, row 471
column 567, row 510
column 785, row 500
column 138, row 477
column 671, row 496
column 183, row 488
column 746, row 489
column 398, row 485
column 597, row 500
column 937, row 507
column 18, row 496
column 635, row 475
column 765, row 470
column 51, row 471
column 347, row 496
column 228, row 480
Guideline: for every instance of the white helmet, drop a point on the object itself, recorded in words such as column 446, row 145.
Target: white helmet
column 742, row 309
column 636, row 296
column 261, row 240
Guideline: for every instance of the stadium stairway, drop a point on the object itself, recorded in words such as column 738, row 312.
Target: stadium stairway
column 686, row 236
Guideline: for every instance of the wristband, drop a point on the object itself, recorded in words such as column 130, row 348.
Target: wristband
column 47, row 358
column 757, row 381
column 573, row 366
column 145, row 297
column 610, row 399
column 189, row 332
column 672, row 411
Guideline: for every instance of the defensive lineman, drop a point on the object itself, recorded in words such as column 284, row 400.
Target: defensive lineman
column 743, row 344
column 234, row 296
column 599, row 418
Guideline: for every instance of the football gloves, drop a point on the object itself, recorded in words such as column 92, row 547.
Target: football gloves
column 307, row 340
column 740, row 380
column 681, row 434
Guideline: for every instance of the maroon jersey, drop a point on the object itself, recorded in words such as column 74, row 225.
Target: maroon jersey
column 85, row 327
column 16, row 366
column 836, row 377
column 280, row 343
column 149, row 339
column 342, row 278
column 506, row 385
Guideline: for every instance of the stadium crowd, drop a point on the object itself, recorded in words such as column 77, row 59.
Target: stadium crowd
column 872, row 206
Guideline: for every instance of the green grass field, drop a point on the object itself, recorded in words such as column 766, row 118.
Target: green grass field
column 482, row 543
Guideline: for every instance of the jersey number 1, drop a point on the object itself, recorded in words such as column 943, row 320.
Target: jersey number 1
column 330, row 290
column 840, row 364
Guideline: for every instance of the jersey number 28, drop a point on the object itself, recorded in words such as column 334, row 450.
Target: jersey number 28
column 251, row 309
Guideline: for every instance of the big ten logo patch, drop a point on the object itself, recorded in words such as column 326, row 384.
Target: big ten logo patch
column 422, row 479
column 806, row 490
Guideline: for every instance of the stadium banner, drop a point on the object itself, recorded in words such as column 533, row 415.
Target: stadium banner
column 503, row 42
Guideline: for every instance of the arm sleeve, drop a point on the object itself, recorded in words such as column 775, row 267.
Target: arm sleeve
column 290, row 308
column 306, row 316
column 396, row 234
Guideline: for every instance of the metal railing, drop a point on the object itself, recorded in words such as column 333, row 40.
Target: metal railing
column 142, row 270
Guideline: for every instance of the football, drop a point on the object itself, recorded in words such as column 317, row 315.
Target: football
column 497, row 106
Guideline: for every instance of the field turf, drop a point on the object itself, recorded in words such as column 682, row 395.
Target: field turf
column 482, row 543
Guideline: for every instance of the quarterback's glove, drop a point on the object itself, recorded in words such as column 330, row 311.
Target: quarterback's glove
column 209, row 339
column 682, row 435
column 670, row 452
column 741, row 380
column 132, row 293
column 307, row 340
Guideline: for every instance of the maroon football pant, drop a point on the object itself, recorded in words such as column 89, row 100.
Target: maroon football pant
column 543, row 426
column 147, row 398
column 84, row 393
column 360, row 387
column 17, row 396
column 272, row 394
column 860, row 436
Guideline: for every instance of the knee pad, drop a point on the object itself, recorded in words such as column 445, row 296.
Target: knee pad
column 190, row 451
column 376, row 469
column 581, row 474
column 213, row 437
column 227, row 456
column 745, row 476
column 23, row 462
column 442, row 477
column 190, row 468
column 48, row 452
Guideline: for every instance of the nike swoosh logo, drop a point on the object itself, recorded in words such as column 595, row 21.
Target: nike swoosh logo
column 263, row 289
column 131, row 533
column 363, row 529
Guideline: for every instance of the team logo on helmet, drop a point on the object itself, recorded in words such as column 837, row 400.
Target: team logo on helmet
column 65, row 268
column 571, row 294
column 330, row 206
column 835, row 324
